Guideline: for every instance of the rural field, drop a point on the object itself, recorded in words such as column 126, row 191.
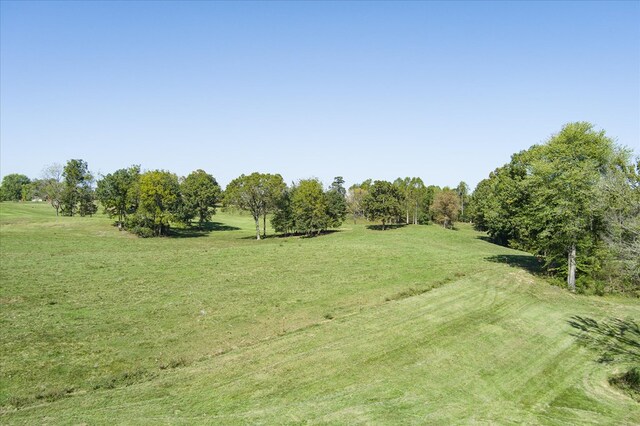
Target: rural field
column 412, row 325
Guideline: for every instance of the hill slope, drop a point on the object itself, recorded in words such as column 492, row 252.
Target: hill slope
column 410, row 325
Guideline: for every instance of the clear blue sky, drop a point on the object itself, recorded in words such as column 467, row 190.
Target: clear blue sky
column 444, row 91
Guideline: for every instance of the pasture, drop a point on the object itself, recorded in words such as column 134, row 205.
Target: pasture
column 411, row 325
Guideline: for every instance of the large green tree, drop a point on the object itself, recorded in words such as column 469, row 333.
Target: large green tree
column 159, row 202
column 11, row 188
column 547, row 200
column 256, row 193
column 310, row 207
column 383, row 202
column 77, row 195
column 119, row 193
column 336, row 202
column 200, row 193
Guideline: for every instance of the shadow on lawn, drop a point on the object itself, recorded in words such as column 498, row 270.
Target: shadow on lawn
column 612, row 338
column 527, row 262
column 386, row 227
column 293, row 234
column 195, row 231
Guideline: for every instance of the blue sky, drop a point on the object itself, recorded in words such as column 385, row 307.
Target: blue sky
column 444, row 91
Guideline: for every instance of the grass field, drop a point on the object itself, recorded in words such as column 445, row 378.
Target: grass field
column 406, row 326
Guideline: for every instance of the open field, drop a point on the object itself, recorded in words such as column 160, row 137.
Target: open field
column 411, row 325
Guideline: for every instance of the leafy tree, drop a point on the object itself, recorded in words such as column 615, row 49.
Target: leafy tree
column 200, row 193
column 547, row 200
column 416, row 192
column 446, row 207
column 119, row 193
column 355, row 197
column 383, row 202
column 77, row 194
column 403, row 190
column 274, row 188
column 282, row 219
column 11, row 188
column 463, row 193
column 310, row 207
column 52, row 185
column 338, row 186
column 159, row 202
column 336, row 203
column 33, row 190
column 248, row 193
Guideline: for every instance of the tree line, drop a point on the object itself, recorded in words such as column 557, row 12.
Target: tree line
column 574, row 201
column 148, row 203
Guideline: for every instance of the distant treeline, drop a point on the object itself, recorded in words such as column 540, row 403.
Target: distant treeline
column 148, row 203
column 573, row 201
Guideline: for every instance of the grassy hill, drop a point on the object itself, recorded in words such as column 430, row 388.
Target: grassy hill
column 410, row 325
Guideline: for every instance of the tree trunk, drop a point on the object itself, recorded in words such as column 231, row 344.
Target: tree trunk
column 264, row 225
column 407, row 216
column 257, row 219
column 571, row 276
column 415, row 216
column 383, row 224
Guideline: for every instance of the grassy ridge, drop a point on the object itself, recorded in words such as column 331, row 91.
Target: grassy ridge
column 98, row 325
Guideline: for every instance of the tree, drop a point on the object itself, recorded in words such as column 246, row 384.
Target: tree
column 11, row 188
column 310, row 207
column 274, row 188
column 282, row 219
column 416, row 192
column 119, row 193
column 200, row 193
column 446, row 207
column 619, row 196
column 355, row 197
column 77, row 194
column 403, row 189
column 463, row 193
column 547, row 201
column 52, row 186
column 248, row 193
column 382, row 202
column 159, row 202
column 336, row 203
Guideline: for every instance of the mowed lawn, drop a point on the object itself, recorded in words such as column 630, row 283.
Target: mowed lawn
column 412, row 325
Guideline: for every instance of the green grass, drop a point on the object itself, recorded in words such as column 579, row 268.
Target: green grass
column 411, row 325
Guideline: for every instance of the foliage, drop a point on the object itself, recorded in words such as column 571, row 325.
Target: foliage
column 548, row 200
column 354, row 199
column 445, row 208
column 52, row 185
column 310, row 207
column 336, row 203
column 200, row 193
column 257, row 193
column 77, row 194
column 383, row 202
column 11, row 188
column 159, row 202
column 413, row 191
column 118, row 193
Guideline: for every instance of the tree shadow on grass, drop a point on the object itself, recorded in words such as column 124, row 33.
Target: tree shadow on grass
column 293, row 234
column 195, row 231
column 528, row 262
column 386, row 227
column 613, row 338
